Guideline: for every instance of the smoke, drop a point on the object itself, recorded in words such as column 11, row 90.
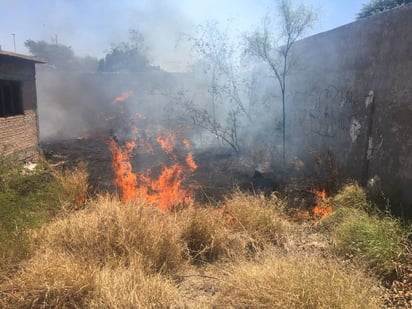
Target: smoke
column 77, row 104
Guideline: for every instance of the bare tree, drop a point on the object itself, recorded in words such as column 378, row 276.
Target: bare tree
column 218, row 62
column 275, row 49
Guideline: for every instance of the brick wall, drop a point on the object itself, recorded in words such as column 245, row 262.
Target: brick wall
column 19, row 134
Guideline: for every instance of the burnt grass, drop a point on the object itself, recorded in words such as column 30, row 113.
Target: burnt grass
column 219, row 170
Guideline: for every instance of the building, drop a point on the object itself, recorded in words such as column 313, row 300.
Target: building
column 19, row 129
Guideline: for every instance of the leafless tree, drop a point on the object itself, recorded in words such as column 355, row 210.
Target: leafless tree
column 274, row 49
column 218, row 61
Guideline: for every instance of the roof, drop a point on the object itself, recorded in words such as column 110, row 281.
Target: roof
column 22, row 57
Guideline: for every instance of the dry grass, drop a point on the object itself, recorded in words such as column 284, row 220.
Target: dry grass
column 74, row 187
column 204, row 233
column 48, row 280
column 110, row 232
column 207, row 237
column 260, row 217
column 131, row 287
column 296, row 282
column 114, row 255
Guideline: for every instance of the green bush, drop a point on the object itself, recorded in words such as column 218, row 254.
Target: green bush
column 360, row 231
column 351, row 196
column 378, row 241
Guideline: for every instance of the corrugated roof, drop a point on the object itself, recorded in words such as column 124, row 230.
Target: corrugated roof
column 22, row 57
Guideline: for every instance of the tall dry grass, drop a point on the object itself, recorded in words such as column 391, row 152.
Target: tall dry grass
column 114, row 255
column 49, row 280
column 207, row 236
column 132, row 287
column 296, row 281
column 262, row 218
column 74, row 187
column 108, row 231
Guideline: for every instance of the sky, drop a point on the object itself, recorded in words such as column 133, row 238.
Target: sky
column 90, row 27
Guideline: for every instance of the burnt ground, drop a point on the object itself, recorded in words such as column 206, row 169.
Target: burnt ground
column 219, row 170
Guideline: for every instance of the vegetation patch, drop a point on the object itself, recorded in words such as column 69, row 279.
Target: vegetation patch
column 28, row 199
column 293, row 281
column 360, row 231
column 260, row 217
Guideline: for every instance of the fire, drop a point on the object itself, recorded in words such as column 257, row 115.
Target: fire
column 124, row 178
column 322, row 208
column 166, row 192
column 167, row 142
column 319, row 211
column 191, row 162
column 123, row 97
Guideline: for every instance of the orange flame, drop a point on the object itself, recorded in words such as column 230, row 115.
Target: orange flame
column 167, row 143
column 191, row 162
column 124, row 178
column 319, row 211
column 322, row 208
column 187, row 143
column 123, row 97
column 166, row 192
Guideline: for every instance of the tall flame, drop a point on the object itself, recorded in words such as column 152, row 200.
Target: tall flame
column 166, row 192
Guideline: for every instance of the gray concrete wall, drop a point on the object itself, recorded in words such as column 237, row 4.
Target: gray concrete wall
column 351, row 94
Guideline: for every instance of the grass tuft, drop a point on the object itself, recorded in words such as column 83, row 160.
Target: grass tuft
column 207, row 237
column 131, row 287
column 111, row 232
column 48, row 280
column 359, row 232
column 352, row 196
column 296, row 282
column 377, row 241
column 74, row 187
column 260, row 217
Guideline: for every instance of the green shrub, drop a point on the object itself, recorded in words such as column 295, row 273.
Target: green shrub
column 351, row 196
column 378, row 241
column 360, row 231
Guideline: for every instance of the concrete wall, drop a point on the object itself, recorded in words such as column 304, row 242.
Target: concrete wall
column 351, row 94
column 19, row 134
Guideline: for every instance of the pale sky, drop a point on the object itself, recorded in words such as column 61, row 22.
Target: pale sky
column 91, row 26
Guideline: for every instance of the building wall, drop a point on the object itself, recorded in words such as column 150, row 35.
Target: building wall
column 351, row 94
column 19, row 134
